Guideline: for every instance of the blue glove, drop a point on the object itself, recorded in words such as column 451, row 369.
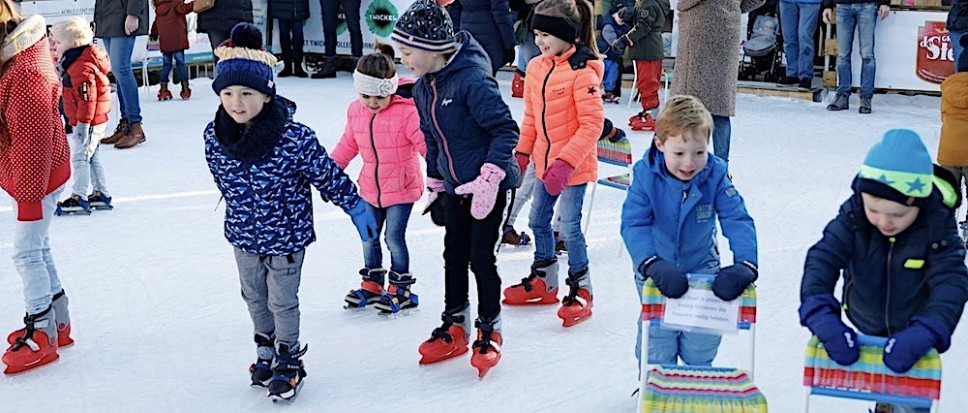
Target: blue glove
column 907, row 347
column 733, row 280
column 821, row 314
column 364, row 221
column 670, row 281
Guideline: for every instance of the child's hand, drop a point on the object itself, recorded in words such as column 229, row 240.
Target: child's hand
column 907, row 347
column 364, row 221
column 733, row 280
column 821, row 314
column 434, row 204
column 669, row 279
column 483, row 189
column 556, row 177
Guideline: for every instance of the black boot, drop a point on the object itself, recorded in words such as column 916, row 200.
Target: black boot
column 865, row 105
column 287, row 70
column 261, row 370
column 288, row 373
column 327, row 70
column 841, row 103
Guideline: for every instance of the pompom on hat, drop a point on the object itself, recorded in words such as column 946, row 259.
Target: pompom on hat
column 425, row 26
column 897, row 168
column 244, row 62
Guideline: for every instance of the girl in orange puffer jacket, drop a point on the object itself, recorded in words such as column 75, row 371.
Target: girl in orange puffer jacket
column 563, row 119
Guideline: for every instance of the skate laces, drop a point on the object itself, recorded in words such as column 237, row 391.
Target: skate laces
column 526, row 281
column 487, row 329
column 572, row 297
column 443, row 332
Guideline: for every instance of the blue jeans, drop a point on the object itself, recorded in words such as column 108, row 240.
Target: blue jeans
column 667, row 346
column 722, row 131
column 862, row 16
column 799, row 23
column 396, row 218
column 611, row 75
column 119, row 51
column 88, row 171
column 569, row 213
column 32, row 257
column 955, row 38
column 181, row 71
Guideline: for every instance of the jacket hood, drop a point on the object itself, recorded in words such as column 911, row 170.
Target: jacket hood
column 96, row 56
column 470, row 55
column 954, row 90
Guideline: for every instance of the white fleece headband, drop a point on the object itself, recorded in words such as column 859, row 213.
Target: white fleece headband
column 374, row 86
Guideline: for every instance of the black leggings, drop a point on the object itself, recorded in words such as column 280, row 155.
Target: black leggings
column 471, row 241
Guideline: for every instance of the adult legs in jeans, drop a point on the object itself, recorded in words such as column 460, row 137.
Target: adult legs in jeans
column 955, row 38
column 866, row 15
column 395, row 218
column 215, row 38
column 469, row 240
column 846, row 22
column 119, row 51
column 32, row 257
column 722, row 131
column 270, row 287
column 799, row 22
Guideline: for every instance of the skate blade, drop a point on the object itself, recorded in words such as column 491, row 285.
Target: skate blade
column 11, row 370
column 406, row 312
column 538, row 301
column 573, row 321
column 425, row 360
column 102, row 207
column 70, row 212
column 485, row 363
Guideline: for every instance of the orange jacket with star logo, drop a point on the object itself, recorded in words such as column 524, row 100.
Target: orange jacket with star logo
column 563, row 112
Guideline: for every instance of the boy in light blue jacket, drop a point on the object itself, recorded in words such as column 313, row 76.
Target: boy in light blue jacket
column 669, row 225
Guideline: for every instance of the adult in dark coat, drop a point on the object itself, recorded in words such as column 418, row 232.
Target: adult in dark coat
column 957, row 26
column 219, row 20
column 117, row 23
column 491, row 22
column 351, row 13
column 291, row 15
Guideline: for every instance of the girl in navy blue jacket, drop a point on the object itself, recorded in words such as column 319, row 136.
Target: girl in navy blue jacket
column 903, row 263
column 470, row 164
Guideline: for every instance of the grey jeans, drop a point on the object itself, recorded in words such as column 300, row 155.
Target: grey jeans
column 270, row 288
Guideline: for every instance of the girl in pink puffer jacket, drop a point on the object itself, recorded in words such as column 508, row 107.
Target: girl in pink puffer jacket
column 384, row 128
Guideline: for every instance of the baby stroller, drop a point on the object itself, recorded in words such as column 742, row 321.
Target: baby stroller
column 762, row 52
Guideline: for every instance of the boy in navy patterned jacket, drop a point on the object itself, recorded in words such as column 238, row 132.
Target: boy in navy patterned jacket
column 263, row 163
column 896, row 243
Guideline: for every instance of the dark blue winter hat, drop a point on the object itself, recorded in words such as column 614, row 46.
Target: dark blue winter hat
column 897, row 168
column 425, row 26
column 243, row 61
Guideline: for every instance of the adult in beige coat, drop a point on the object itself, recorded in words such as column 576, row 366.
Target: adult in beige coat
column 707, row 59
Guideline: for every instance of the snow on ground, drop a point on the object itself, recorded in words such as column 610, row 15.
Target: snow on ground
column 160, row 324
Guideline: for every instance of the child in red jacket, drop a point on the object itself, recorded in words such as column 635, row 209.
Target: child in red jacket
column 87, row 102
column 171, row 30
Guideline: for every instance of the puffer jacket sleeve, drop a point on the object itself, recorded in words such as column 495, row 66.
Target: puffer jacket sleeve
column 492, row 114
column 947, row 279
column 638, row 217
column 829, row 256
column 212, row 158
column 323, row 173
column 736, row 222
column 85, row 89
column 347, row 148
column 591, row 119
column 529, row 130
column 411, row 129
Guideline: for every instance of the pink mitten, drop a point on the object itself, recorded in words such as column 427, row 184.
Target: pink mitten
column 556, row 177
column 484, row 189
column 523, row 160
column 434, row 187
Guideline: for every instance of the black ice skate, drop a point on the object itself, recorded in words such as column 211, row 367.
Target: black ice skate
column 288, row 373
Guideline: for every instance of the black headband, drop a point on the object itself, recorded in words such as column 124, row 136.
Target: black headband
column 560, row 27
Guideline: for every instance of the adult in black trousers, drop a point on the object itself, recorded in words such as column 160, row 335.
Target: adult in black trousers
column 291, row 15
column 351, row 9
column 218, row 21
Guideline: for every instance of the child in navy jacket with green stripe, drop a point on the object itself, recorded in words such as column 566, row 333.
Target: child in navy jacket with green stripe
column 896, row 243
column 669, row 225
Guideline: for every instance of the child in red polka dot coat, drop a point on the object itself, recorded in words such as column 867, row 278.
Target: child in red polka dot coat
column 33, row 169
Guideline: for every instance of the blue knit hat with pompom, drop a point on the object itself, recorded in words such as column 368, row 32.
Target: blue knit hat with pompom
column 244, row 62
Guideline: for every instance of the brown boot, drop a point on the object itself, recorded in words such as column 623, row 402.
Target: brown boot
column 134, row 136
column 118, row 133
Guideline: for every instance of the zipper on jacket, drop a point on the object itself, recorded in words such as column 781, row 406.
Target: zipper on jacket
column 887, row 298
column 376, row 167
column 443, row 139
column 544, row 110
